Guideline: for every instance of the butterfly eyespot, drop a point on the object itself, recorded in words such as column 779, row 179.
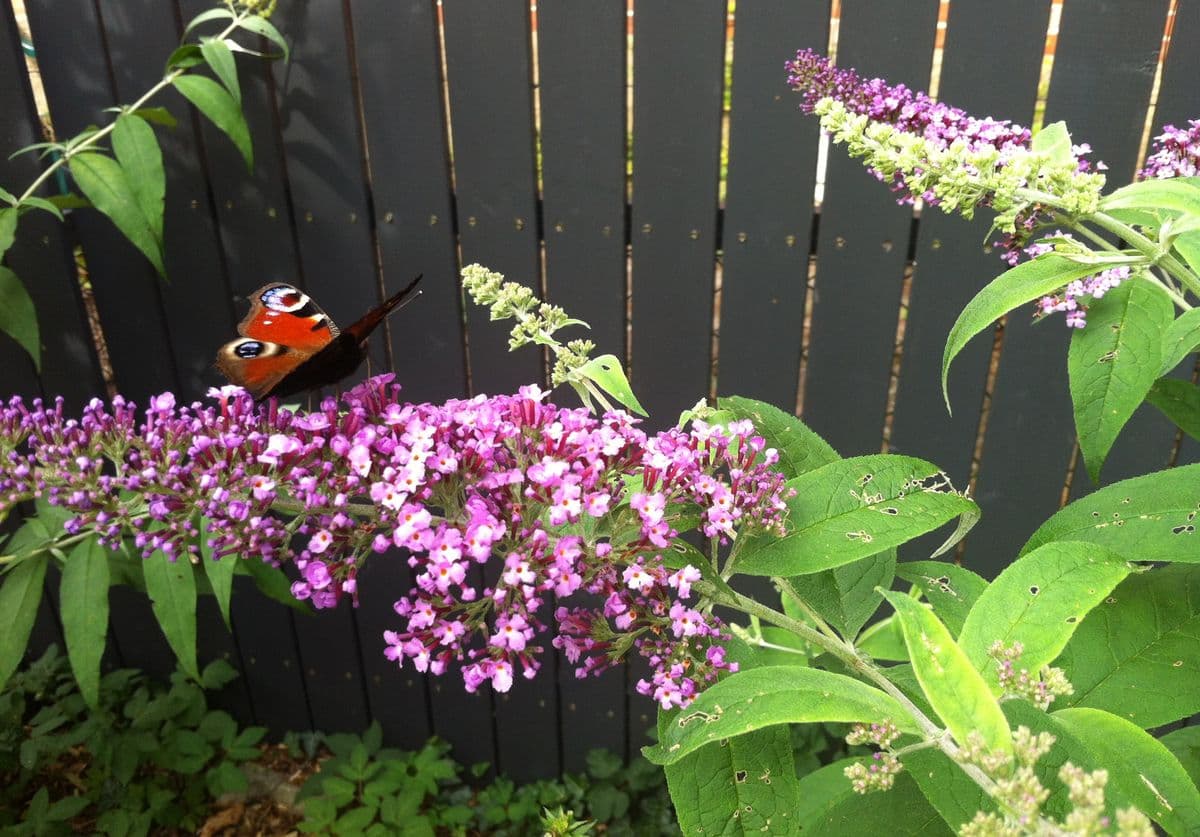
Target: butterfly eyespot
column 283, row 298
column 248, row 348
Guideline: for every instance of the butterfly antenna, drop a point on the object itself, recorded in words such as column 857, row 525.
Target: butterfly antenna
column 362, row 327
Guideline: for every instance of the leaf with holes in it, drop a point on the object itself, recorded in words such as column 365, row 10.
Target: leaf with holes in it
column 955, row 689
column 1113, row 362
column 172, row 590
column 1179, row 401
column 214, row 101
column 137, row 151
column 18, row 317
column 800, row 449
column 845, row 596
column 1180, row 339
column 764, row 697
column 1039, row 601
column 84, row 611
column 1137, row 654
column 605, row 372
column 950, row 589
column 851, row 509
column 829, row 807
column 1148, row 518
column 744, row 785
column 104, row 183
column 1140, row 765
column 1023, row 283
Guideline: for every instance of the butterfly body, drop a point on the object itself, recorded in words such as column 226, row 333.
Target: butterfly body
column 289, row 345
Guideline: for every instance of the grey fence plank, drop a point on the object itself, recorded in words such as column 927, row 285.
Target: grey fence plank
column 678, row 60
column 1031, row 429
column 863, row 242
column 769, row 203
column 127, row 291
column 988, row 72
column 398, row 61
column 491, row 113
column 324, row 168
column 271, row 662
column 488, row 64
column 214, row 641
column 581, row 47
column 42, row 256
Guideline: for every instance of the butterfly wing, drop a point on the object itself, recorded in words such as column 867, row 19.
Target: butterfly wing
column 283, row 329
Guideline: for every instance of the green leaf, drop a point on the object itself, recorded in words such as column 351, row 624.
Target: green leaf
column 1184, row 744
column 104, row 183
column 944, row 784
column 955, row 689
column 44, row 205
column 184, row 57
column 1174, row 194
column 1055, row 141
column 1188, row 246
column 84, row 611
column 1137, row 655
column 172, row 590
column 20, row 596
column 1113, row 362
column 763, row 697
column 1039, row 601
column 220, row 59
column 262, row 26
column 606, row 372
column 845, row 596
column 1140, row 765
column 851, row 509
column 741, row 786
column 884, row 640
column 355, row 820
column 205, row 17
column 8, row 228
column 18, row 317
column 1023, row 283
column 1146, row 518
column 220, row 574
column 158, row 116
column 137, row 151
column 272, row 583
column 1179, row 401
column 214, row 101
column 1181, row 338
column 7, row 196
column 829, row 807
column 70, row 201
column 800, row 449
column 949, row 588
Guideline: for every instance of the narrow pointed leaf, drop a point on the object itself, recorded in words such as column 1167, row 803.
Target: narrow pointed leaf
column 205, row 17
column 1039, row 601
column 8, row 228
column 20, row 595
column 1147, row 518
column 1137, row 654
column 845, row 596
column 264, row 27
column 84, row 612
column 851, row 509
column 172, row 590
column 950, row 589
column 137, row 151
column 1113, row 362
column 954, row 688
column 1179, row 401
column 1174, row 194
column 1180, row 339
column 157, row 116
column 1024, row 283
column 18, row 317
column 763, row 697
column 220, row 575
column 800, row 449
column 44, row 205
column 214, row 102
column 185, row 57
column 220, row 59
column 103, row 182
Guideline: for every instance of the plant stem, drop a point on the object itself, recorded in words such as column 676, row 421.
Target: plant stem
column 91, row 141
column 1151, row 249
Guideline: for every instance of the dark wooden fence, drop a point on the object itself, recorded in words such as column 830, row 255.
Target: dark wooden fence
column 408, row 137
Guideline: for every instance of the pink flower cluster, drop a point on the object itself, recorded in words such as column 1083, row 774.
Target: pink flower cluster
column 1089, row 287
column 500, row 506
column 1176, row 152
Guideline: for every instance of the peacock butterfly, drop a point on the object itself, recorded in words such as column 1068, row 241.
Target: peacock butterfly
column 289, row 345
